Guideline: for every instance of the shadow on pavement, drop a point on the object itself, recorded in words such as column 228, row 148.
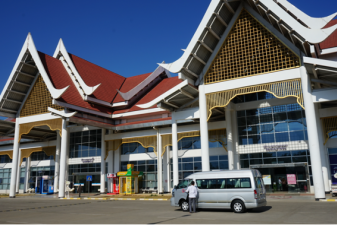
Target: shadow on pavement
column 256, row 210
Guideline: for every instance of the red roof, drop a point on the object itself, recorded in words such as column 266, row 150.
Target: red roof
column 331, row 41
column 162, row 87
column 60, row 79
column 93, row 75
column 129, row 84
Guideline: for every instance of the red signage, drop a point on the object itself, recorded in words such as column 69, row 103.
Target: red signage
column 111, row 175
column 291, row 178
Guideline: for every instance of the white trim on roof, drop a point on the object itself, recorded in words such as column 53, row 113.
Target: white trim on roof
column 30, row 46
column 162, row 96
column 313, row 23
column 130, row 94
column 176, row 66
column 81, row 84
column 313, row 36
column 136, row 113
column 328, row 51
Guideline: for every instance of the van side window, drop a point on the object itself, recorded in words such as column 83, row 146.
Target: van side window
column 211, row 183
column 238, row 183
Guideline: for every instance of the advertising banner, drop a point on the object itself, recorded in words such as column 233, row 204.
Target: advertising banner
column 266, row 179
column 291, row 178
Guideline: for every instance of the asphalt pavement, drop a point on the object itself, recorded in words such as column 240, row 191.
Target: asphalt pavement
column 53, row 211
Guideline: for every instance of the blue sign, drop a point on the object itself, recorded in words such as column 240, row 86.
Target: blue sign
column 89, row 178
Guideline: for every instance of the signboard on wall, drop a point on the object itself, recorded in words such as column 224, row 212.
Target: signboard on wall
column 266, row 179
column 111, row 175
column 291, row 178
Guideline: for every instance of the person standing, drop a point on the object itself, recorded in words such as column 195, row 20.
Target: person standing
column 193, row 192
column 279, row 184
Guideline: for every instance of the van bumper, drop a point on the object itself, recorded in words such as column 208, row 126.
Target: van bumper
column 173, row 203
column 255, row 204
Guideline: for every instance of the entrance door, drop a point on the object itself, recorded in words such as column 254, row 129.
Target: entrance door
column 282, row 179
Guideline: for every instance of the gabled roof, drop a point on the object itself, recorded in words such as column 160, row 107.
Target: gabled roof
column 60, row 78
column 93, row 75
column 297, row 27
column 26, row 69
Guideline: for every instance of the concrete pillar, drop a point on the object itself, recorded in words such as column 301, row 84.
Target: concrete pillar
column 159, row 163
column 166, row 169
column 15, row 160
column 203, row 130
column 175, row 152
column 325, row 165
column 57, row 162
column 63, row 163
column 236, row 156
column 103, row 172
column 117, row 160
column 313, row 139
column 230, row 142
column 110, row 168
column 18, row 173
column 27, row 174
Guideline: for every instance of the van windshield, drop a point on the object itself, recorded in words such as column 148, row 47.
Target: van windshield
column 184, row 184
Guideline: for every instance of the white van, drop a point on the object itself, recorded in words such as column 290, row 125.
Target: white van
column 232, row 189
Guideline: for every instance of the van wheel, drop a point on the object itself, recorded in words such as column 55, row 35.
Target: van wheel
column 184, row 205
column 238, row 206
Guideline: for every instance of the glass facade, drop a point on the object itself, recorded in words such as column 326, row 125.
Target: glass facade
column 333, row 164
column 281, row 123
column 85, row 144
column 190, row 165
column 189, row 143
column 38, row 156
column 84, row 168
column 134, row 148
column 22, row 178
column 252, row 97
column 39, row 172
column 5, row 159
column 148, row 167
column 5, row 179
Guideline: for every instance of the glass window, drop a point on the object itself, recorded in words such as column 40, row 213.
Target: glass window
column 238, row 183
column 255, row 155
column 332, row 151
column 296, row 135
column 284, row 160
column 268, row 138
column 283, row 154
column 244, row 163
column 183, row 184
column 282, row 137
column 85, row 144
column 299, row 159
column 270, row 161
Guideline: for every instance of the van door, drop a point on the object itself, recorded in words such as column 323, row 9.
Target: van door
column 209, row 195
column 260, row 189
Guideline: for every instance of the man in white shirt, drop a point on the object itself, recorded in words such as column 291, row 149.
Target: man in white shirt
column 193, row 192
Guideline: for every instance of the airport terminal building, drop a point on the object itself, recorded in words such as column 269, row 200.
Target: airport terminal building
column 256, row 88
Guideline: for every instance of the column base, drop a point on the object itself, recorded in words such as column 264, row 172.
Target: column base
column 61, row 197
column 11, row 196
column 317, row 199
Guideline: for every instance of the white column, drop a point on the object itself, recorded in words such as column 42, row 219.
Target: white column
column 27, row 174
column 325, row 165
column 103, row 162
column 203, row 129
column 168, row 170
column 159, row 164
column 57, row 162
column 15, row 160
column 110, row 168
column 117, row 160
column 166, row 163
column 63, row 163
column 175, row 152
column 236, row 156
column 230, row 142
column 17, row 187
column 314, row 145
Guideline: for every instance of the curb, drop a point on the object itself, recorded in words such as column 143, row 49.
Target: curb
column 119, row 199
column 328, row 200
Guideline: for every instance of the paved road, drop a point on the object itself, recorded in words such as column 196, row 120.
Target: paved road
column 52, row 210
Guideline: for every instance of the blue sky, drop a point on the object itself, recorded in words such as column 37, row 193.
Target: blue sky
column 127, row 37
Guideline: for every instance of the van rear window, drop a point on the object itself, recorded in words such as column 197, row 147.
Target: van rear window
column 228, row 183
